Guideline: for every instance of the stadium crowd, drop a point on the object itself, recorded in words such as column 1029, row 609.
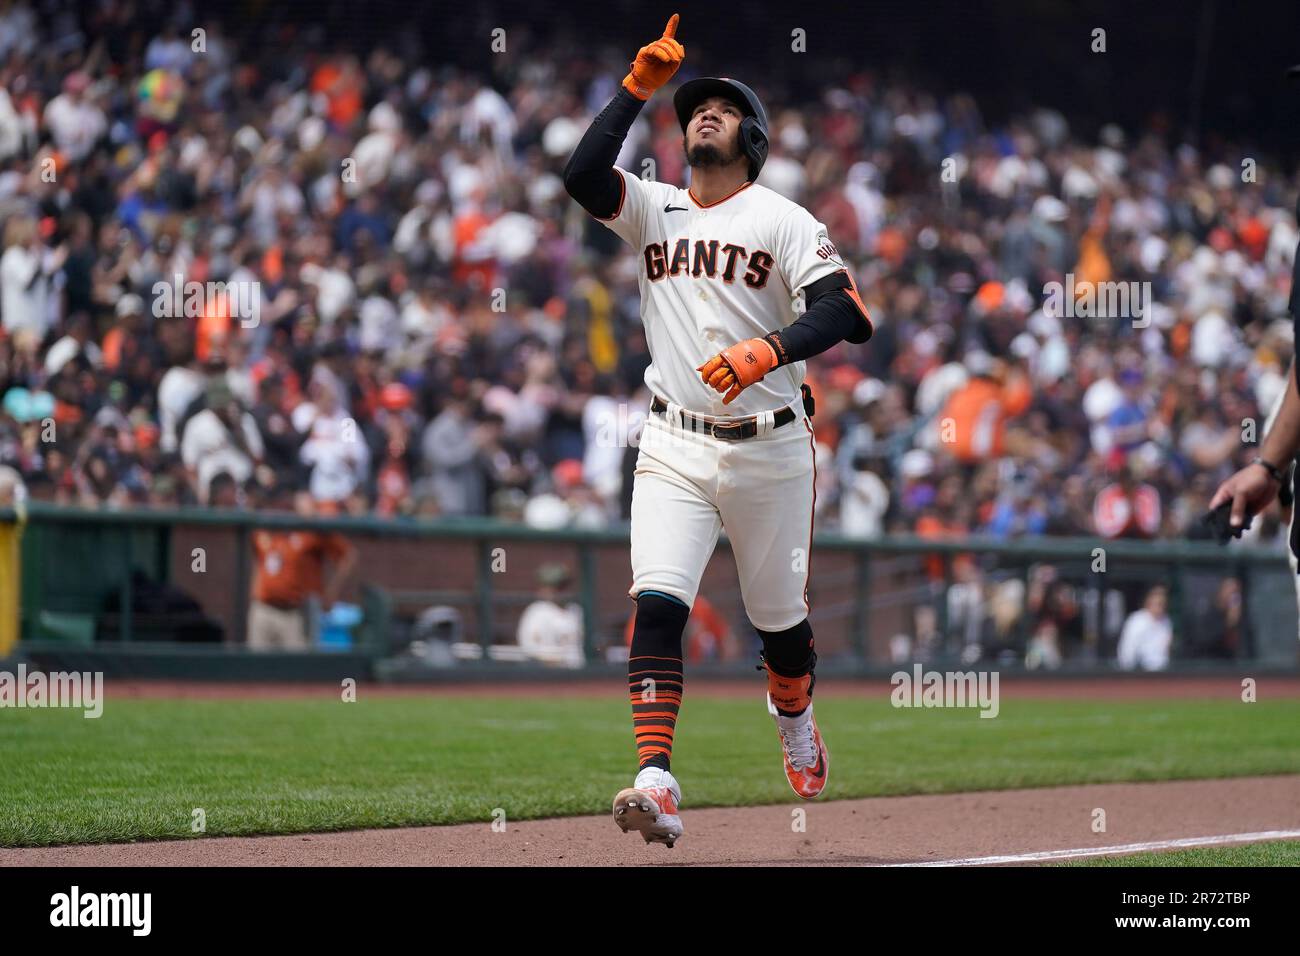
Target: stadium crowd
column 438, row 330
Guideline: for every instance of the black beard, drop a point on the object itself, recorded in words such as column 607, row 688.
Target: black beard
column 706, row 154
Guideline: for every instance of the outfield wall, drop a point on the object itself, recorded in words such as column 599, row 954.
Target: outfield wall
column 77, row 591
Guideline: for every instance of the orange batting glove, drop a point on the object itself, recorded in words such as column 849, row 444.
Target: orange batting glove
column 736, row 368
column 655, row 64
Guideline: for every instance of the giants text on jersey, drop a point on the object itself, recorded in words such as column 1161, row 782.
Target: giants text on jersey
column 713, row 275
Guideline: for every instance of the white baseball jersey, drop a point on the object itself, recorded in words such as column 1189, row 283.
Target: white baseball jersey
column 712, row 276
column 715, row 275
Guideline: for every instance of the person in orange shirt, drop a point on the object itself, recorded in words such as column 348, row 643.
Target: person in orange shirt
column 932, row 525
column 473, row 266
column 118, row 347
column 973, row 422
column 213, row 329
column 1093, row 265
column 290, row 575
column 343, row 83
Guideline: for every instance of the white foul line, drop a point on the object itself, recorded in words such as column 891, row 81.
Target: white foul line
column 1082, row 852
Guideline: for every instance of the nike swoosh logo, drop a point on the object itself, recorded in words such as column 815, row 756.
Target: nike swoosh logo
column 818, row 771
column 672, row 208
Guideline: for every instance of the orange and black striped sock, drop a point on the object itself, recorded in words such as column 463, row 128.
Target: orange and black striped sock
column 655, row 690
column 654, row 676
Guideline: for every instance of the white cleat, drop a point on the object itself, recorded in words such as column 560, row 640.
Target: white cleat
column 650, row 807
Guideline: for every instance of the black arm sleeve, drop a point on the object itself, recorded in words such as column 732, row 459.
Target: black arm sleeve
column 589, row 176
column 834, row 314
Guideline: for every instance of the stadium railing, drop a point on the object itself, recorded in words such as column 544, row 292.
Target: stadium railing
column 85, row 575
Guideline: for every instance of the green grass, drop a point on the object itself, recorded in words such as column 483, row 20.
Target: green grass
column 1276, row 853
column 271, row 766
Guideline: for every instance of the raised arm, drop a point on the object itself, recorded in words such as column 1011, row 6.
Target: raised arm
column 589, row 176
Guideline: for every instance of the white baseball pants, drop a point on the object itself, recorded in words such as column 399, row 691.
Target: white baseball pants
column 688, row 486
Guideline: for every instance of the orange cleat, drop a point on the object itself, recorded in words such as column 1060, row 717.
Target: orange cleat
column 807, row 764
column 650, row 807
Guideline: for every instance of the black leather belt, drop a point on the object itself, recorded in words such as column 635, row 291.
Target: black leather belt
column 735, row 429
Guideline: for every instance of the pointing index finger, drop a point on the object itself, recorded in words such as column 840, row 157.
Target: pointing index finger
column 670, row 31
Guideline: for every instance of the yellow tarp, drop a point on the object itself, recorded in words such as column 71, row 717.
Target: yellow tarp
column 10, row 585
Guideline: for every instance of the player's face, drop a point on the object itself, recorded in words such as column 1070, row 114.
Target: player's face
column 713, row 133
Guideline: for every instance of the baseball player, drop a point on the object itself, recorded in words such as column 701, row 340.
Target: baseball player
column 728, row 442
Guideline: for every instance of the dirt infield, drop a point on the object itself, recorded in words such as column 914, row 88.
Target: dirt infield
column 1119, row 687
column 883, row 830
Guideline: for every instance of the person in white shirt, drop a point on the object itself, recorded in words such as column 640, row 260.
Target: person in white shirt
column 177, row 390
column 12, row 128
column 549, row 632
column 334, row 448
column 268, row 197
column 78, row 341
column 335, row 290
column 27, row 272
column 222, row 437
column 74, row 120
column 1148, row 634
column 864, row 502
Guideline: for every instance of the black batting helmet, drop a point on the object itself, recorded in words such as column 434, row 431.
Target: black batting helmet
column 753, row 128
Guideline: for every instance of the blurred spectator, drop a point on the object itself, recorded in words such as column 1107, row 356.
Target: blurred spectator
column 1127, row 424
column 222, row 437
column 1148, row 634
column 74, row 120
column 27, row 270
column 570, row 503
column 333, row 449
column 453, row 444
column 864, row 501
column 281, row 440
column 974, row 420
column 551, row 632
column 290, row 579
column 1054, row 606
column 1044, row 652
column 77, row 344
column 1127, row 509
column 1221, row 632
